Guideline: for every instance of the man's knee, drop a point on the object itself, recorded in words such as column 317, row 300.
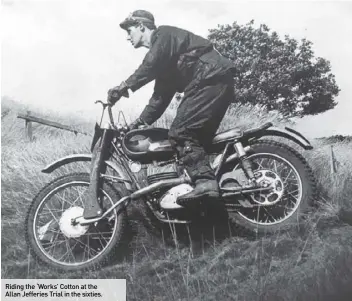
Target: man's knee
column 177, row 135
column 172, row 135
column 174, row 141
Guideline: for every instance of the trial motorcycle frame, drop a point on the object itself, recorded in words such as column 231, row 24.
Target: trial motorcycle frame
column 106, row 146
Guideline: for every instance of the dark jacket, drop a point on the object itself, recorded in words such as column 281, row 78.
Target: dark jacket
column 177, row 60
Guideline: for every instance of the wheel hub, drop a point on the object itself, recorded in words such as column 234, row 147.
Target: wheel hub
column 268, row 178
column 66, row 225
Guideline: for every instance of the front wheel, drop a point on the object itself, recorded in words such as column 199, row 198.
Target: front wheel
column 57, row 242
column 293, row 188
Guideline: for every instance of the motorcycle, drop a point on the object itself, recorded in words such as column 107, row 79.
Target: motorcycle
column 79, row 220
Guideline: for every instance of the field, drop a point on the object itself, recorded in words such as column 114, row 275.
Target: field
column 311, row 262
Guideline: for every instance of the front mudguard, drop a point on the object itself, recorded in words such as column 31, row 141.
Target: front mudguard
column 122, row 177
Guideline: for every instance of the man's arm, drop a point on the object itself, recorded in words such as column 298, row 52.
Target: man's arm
column 160, row 100
column 158, row 57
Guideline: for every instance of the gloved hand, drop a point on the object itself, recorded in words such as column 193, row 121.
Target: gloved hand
column 117, row 92
column 135, row 124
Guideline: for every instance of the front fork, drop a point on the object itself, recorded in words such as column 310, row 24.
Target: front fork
column 93, row 208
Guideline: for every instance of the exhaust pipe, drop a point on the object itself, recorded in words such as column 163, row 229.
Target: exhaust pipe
column 137, row 194
column 158, row 185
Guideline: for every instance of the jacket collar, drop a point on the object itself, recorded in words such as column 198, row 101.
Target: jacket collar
column 154, row 36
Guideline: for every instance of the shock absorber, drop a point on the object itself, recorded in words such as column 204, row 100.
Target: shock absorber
column 246, row 163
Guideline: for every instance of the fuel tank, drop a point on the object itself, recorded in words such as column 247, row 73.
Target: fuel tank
column 147, row 145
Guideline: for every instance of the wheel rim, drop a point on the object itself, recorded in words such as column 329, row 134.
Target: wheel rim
column 287, row 200
column 62, row 242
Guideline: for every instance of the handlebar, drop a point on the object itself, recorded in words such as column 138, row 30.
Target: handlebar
column 108, row 105
column 111, row 117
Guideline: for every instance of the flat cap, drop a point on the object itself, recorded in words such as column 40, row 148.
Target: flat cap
column 138, row 16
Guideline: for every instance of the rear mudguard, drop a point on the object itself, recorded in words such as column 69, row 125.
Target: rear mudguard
column 123, row 176
column 285, row 133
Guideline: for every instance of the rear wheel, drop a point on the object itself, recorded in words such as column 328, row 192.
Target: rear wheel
column 57, row 242
column 280, row 167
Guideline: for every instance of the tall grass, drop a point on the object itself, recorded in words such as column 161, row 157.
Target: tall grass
column 21, row 176
column 312, row 263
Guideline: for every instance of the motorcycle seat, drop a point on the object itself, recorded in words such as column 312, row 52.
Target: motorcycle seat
column 227, row 135
column 164, row 145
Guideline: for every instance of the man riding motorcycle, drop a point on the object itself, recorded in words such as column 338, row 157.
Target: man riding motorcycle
column 180, row 61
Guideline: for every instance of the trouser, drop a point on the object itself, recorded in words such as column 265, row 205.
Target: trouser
column 198, row 117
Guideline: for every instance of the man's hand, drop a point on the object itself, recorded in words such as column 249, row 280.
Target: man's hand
column 117, row 92
column 138, row 122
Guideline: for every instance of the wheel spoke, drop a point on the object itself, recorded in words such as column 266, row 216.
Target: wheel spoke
column 69, row 250
column 291, row 194
column 63, row 203
column 271, row 164
column 55, row 243
column 290, row 182
column 101, row 244
column 282, row 206
column 77, row 198
column 289, row 199
column 64, row 200
column 80, row 194
column 275, row 167
column 287, row 176
column 51, row 212
column 63, row 256
column 86, row 234
column 86, row 248
column 266, row 210
column 260, row 164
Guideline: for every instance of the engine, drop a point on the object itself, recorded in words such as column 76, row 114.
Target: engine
column 166, row 197
column 158, row 171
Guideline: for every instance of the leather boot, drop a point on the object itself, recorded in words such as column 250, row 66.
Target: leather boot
column 204, row 189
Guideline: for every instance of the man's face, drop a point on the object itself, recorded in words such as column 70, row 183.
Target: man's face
column 135, row 35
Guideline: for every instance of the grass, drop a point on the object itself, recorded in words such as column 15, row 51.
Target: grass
column 311, row 262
